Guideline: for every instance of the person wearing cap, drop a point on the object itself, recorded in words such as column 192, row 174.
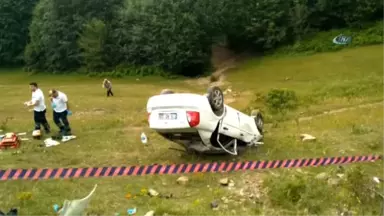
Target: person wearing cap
column 60, row 111
column 39, row 108
column 108, row 85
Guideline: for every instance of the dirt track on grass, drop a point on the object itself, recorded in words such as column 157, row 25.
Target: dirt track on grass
column 335, row 111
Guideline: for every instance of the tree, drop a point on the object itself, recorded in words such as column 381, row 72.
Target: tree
column 91, row 43
column 56, row 27
column 166, row 34
column 15, row 17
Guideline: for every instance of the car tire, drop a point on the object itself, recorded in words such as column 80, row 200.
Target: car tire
column 259, row 120
column 216, row 100
column 166, row 91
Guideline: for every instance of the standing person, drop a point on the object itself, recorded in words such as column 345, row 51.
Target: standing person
column 60, row 111
column 108, row 85
column 39, row 108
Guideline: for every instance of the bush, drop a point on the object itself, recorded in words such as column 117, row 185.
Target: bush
column 298, row 192
column 280, row 101
column 354, row 191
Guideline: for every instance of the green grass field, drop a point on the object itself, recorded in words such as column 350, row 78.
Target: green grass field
column 108, row 131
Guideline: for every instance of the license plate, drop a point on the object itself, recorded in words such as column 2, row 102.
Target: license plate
column 167, row 116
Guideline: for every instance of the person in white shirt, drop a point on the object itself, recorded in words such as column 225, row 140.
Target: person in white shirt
column 39, row 108
column 108, row 85
column 60, row 111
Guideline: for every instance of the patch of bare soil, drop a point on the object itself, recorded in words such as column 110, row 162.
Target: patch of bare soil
column 253, row 186
column 223, row 60
column 92, row 112
column 232, row 96
column 248, row 188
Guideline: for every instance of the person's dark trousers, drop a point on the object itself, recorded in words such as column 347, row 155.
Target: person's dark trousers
column 40, row 119
column 61, row 120
column 109, row 92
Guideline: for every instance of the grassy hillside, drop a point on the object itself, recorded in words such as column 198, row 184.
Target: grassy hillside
column 109, row 129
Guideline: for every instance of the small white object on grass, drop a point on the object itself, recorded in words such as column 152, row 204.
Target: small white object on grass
column 376, row 179
column 150, row 213
column 22, row 134
column 143, row 138
column 67, row 138
column 76, row 207
column 50, row 142
column 307, row 137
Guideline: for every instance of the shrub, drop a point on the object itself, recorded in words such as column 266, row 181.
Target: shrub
column 298, row 191
column 281, row 101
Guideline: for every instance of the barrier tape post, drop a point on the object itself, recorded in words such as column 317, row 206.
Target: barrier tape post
column 64, row 173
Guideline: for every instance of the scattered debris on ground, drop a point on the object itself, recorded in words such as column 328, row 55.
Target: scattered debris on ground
column 10, row 140
column 167, row 196
column 76, row 207
column 53, row 140
column 214, row 204
column 227, row 182
column 224, row 181
column 322, row 176
column 128, row 196
column 183, row 180
column 153, row 193
column 377, row 179
column 50, row 142
column 132, row 211
column 150, row 213
column 307, row 137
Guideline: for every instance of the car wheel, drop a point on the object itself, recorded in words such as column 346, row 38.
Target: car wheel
column 216, row 100
column 167, row 91
column 259, row 121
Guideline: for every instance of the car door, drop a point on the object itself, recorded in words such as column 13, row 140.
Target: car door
column 247, row 127
column 229, row 124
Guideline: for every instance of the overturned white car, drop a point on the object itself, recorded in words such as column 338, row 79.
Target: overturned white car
column 203, row 123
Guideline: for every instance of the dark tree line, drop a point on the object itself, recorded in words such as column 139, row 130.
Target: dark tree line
column 15, row 17
column 171, row 35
